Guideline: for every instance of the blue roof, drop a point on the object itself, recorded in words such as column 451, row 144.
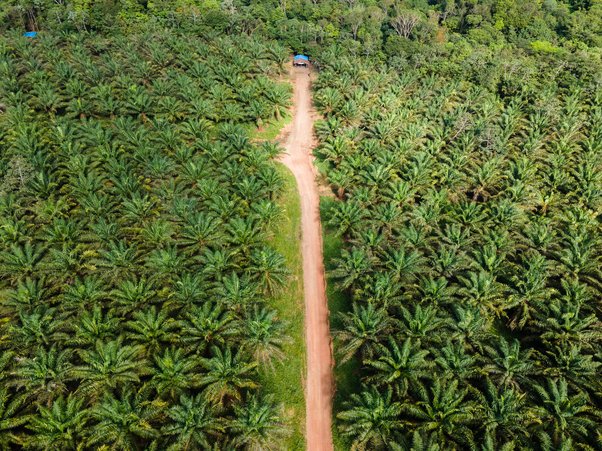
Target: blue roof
column 30, row 34
column 302, row 57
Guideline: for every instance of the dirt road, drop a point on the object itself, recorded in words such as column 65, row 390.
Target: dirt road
column 298, row 141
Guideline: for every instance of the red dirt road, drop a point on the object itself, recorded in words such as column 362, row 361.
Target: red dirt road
column 298, row 142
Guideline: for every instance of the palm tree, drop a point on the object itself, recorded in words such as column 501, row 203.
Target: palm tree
column 20, row 261
column 10, row 420
column 445, row 411
column 398, row 367
column 510, row 364
column 165, row 262
column 93, row 326
column 372, row 420
column 278, row 97
column 483, row 290
column 505, row 412
column 345, row 216
column 574, row 364
column 132, row 294
column 244, row 234
column 151, row 329
column 422, row 441
column 404, row 264
column 566, row 415
column 421, row 323
column 121, row 422
column 40, row 328
column 351, row 267
column 188, row 289
column 470, row 326
column 264, row 335
column 362, row 330
column 59, row 426
column 45, row 375
column 217, row 263
column 564, row 324
column 455, row 361
column 529, row 289
column 108, row 366
column 84, row 291
column 227, row 375
column 257, row 425
column 193, row 425
column 207, row 325
column 236, row 291
column 268, row 269
column 117, row 261
column 28, row 295
column 173, row 373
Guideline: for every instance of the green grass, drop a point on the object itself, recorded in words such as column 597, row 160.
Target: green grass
column 271, row 129
column 346, row 375
column 286, row 379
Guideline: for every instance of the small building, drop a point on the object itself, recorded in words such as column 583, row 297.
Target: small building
column 301, row 60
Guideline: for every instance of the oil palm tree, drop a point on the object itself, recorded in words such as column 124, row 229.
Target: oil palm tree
column 40, row 328
column 399, row 366
column 93, row 326
column 257, row 424
column 444, row 410
column 351, row 267
column 193, row 424
column 152, row 329
column 362, row 330
column 207, row 325
column 372, row 420
column 506, row 413
column 510, row 364
column 268, row 268
column 61, row 425
column 122, row 421
column 44, row 376
column 264, row 335
column 108, row 366
column 173, row 373
column 227, row 374
column 11, row 419
column 20, row 261
column 566, row 415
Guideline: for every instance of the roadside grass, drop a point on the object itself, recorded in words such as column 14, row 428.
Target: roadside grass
column 270, row 130
column 346, row 375
column 286, row 379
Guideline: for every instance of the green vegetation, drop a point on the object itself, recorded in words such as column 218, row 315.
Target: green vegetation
column 285, row 379
column 141, row 278
column 347, row 373
column 271, row 130
column 471, row 257
column 146, row 233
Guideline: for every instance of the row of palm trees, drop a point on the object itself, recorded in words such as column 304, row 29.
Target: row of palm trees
column 471, row 259
column 135, row 262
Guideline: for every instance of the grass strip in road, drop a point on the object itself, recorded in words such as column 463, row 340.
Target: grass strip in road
column 286, row 379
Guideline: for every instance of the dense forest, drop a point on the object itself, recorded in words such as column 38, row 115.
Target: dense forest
column 462, row 142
